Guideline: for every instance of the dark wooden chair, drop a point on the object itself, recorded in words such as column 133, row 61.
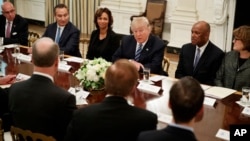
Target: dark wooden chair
column 32, row 37
column 19, row 134
column 155, row 13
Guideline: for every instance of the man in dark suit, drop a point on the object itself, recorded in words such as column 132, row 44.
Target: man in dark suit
column 113, row 119
column 37, row 104
column 151, row 54
column 63, row 32
column 13, row 27
column 204, row 67
column 186, row 101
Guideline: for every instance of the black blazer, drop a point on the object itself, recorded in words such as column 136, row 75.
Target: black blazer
column 19, row 31
column 170, row 133
column 207, row 66
column 103, row 48
column 69, row 40
column 151, row 55
column 37, row 104
column 113, row 120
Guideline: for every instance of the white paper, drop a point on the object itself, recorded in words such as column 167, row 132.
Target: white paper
column 243, row 104
column 21, row 77
column 5, row 86
column 164, row 118
column 24, row 57
column 64, row 67
column 10, row 46
column 219, row 92
column 209, row 101
column 246, row 111
column 74, row 59
column 223, row 134
column 80, row 96
column 156, row 78
column 147, row 82
column 147, row 88
column 205, row 87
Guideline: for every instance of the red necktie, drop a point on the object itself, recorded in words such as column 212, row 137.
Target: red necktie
column 8, row 30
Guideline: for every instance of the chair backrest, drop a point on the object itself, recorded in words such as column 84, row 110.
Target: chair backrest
column 1, row 131
column 19, row 134
column 155, row 13
column 32, row 37
column 165, row 64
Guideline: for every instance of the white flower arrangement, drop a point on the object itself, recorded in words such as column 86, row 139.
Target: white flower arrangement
column 91, row 74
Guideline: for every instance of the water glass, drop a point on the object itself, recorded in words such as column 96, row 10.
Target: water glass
column 61, row 55
column 17, row 53
column 78, row 88
column 146, row 74
column 1, row 41
column 245, row 94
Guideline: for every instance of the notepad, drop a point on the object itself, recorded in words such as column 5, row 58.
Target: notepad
column 74, row 59
column 219, row 92
column 64, row 67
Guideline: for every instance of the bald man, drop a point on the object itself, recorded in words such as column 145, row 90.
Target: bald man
column 13, row 27
column 113, row 119
column 37, row 104
column 201, row 58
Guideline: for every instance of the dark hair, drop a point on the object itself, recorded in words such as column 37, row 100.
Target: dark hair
column 243, row 34
column 120, row 78
column 186, row 99
column 99, row 12
column 61, row 5
column 44, row 59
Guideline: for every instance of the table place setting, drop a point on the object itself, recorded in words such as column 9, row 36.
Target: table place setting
column 244, row 100
column 63, row 67
column 209, row 101
column 147, row 88
column 219, row 92
column 80, row 95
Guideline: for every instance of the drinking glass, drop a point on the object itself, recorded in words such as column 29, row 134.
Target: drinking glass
column 1, row 41
column 146, row 74
column 245, row 94
column 78, row 88
column 61, row 55
column 17, row 53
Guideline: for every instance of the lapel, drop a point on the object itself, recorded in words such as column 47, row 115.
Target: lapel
column 147, row 48
column 13, row 28
column 245, row 65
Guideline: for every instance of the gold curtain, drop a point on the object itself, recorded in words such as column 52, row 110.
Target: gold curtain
column 81, row 13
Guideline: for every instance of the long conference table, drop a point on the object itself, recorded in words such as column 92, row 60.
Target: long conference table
column 220, row 116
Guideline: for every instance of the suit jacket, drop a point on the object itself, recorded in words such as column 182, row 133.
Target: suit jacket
column 69, row 40
column 19, row 31
column 113, row 120
column 4, row 110
column 207, row 66
column 170, row 133
column 40, row 106
column 151, row 55
column 230, row 76
column 103, row 48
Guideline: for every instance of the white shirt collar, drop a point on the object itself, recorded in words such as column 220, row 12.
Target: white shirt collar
column 44, row 74
column 202, row 48
column 182, row 126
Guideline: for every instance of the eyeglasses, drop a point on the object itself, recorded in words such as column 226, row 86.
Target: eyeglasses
column 8, row 12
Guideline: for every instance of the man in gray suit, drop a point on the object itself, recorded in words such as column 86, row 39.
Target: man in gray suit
column 37, row 104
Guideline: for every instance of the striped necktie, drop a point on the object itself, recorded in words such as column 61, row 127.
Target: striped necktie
column 8, row 29
column 197, row 57
column 138, row 52
column 58, row 35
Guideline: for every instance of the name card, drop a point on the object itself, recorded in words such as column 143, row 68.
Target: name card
column 223, row 134
column 23, row 57
column 81, row 95
column 10, row 46
column 21, row 77
column 74, row 59
column 209, row 101
column 246, row 111
column 156, row 78
column 63, row 67
column 147, row 88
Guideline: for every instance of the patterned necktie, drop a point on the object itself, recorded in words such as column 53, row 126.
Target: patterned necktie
column 138, row 52
column 8, row 30
column 58, row 35
column 197, row 57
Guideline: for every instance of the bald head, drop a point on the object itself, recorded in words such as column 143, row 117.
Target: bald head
column 200, row 33
column 8, row 11
column 121, row 77
column 44, row 52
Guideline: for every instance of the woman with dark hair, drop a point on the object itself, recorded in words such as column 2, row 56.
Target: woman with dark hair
column 103, row 41
column 234, row 71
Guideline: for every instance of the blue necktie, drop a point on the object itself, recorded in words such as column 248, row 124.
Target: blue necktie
column 138, row 52
column 197, row 57
column 58, row 35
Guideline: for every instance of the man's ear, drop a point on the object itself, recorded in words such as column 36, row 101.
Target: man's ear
column 200, row 114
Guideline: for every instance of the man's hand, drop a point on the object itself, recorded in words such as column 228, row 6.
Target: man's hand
column 8, row 79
